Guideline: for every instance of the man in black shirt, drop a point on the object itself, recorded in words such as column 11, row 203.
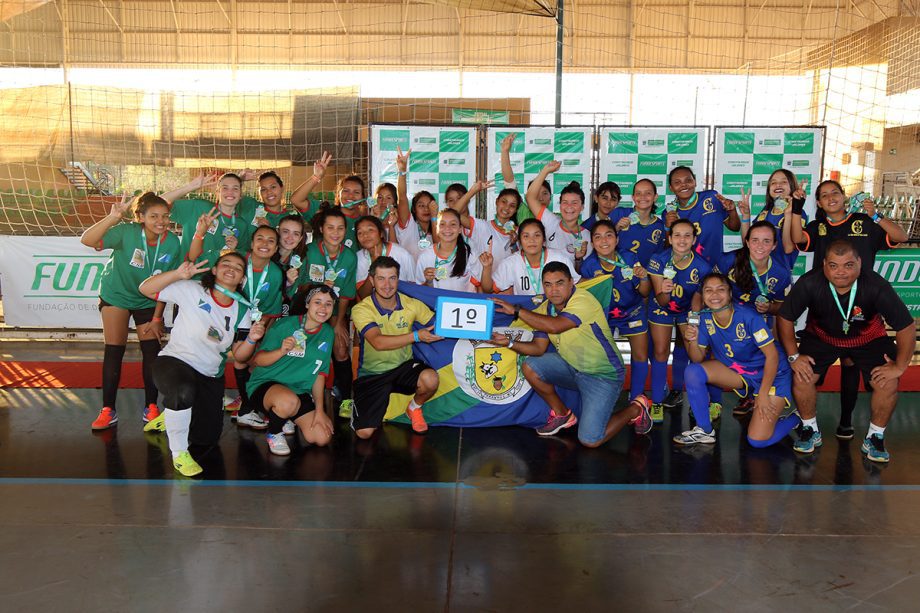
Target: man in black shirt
column 846, row 308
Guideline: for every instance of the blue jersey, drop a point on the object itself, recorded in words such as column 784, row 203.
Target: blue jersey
column 738, row 344
column 777, row 280
column 687, row 281
column 788, row 259
column 625, row 295
column 641, row 241
column 708, row 216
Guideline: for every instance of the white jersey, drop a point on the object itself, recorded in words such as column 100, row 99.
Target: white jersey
column 410, row 235
column 465, row 283
column 403, row 258
column 558, row 237
column 204, row 330
column 481, row 232
column 517, row 274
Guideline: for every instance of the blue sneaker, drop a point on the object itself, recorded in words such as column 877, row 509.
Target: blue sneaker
column 874, row 448
column 809, row 439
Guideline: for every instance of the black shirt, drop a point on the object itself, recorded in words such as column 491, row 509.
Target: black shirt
column 866, row 236
column 874, row 297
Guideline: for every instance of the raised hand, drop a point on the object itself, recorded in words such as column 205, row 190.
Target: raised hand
column 257, row 330
column 727, row 203
column 187, row 270
column 801, row 192
column 320, row 165
column 552, row 167
column 248, row 174
column 691, row 333
column 205, row 221
column 744, row 205
column 402, row 159
column 486, row 259
column 503, row 306
column 507, row 142
column 119, row 208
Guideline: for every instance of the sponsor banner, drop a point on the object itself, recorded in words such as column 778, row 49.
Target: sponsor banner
column 746, row 157
column 480, row 116
column 440, row 156
column 533, row 148
column 629, row 154
column 901, row 268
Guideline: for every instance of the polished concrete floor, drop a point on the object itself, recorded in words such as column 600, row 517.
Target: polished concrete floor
column 458, row 520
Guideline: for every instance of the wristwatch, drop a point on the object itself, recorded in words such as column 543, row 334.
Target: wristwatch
column 517, row 310
column 877, row 217
column 792, row 358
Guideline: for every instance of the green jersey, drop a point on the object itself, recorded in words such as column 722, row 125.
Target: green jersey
column 265, row 285
column 238, row 224
column 320, row 268
column 134, row 259
column 297, row 369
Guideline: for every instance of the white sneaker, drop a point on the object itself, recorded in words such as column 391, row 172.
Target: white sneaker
column 695, row 436
column 277, row 445
column 289, row 427
column 252, row 420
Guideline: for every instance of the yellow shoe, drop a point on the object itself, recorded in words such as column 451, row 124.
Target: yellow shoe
column 715, row 411
column 157, row 424
column 657, row 413
column 186, row 466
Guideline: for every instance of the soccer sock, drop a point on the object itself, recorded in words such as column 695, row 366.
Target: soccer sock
column 177, row 424
column 150, row 349
column 873, row 429
column 275, row 423
column 342, row 377
column 111, row 373
column 849, row 392
column 659, row 380
column 679, row 361
column 413, row 404
column 715, row 393
column 242, row 378
column 784, row 426
column 811, row 423
column 638, row 374
column 698, row 394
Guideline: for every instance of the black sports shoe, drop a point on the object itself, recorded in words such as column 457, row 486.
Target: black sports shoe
column 673, row 400
column 745, row 406
column 845, row 433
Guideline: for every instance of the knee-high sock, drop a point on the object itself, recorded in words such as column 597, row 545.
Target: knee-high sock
column 679, row 361
column 782, row 429
column 177, row 424
column 638, row 372
column 659, row 380
column 111, row 373
column 242, row 378
column 150, row 349
column 698, row 394
column 343, row 377
column 715, row 393
column 849, row 392
column 275, row 423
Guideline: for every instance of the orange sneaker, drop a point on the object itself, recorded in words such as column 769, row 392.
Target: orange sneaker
column 419, row 424
column 106, row 419
column 151, row 412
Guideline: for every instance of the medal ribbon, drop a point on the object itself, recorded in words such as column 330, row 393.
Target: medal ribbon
column 438, row 263
column 234, row 295
column 534, row 278
column 156, row 254
column 249, row 277
column 760, row 284
column 846, row 316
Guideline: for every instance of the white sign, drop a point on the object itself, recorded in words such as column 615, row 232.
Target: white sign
column 464, row 318
column 440, row 156
column 532, row 149
column 629, row 154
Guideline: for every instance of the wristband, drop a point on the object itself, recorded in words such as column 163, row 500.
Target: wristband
column 199, row 236
column 415, row 336
column 746, row 220
column 251, row 342
column 402, row 173
column 877, row 217
column 156, row 319
column 517, row 310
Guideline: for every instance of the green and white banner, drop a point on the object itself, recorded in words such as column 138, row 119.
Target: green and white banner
column 630, row 154
column 746, row 157
column 533, row 148
column 440, row 156
column 901, row 268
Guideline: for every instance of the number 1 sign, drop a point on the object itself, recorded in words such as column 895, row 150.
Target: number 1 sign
column 464, row 318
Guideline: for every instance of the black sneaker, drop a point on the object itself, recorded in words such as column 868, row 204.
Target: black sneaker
column 673, row 400
column 744, row 406
column 845, row 433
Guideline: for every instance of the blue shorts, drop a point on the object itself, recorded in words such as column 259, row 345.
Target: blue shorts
column 663, row 317
column 782, row 384
column 630, row 324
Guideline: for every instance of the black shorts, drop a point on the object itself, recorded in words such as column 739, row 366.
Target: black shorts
column 372, row 392
column 184, row 388
column 140, row 316
column 257, row 400
column 865, row 357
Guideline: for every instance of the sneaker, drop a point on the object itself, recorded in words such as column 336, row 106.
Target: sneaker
column 657, row 413
column 234, row 416
column 809, row 439
column 157, row 424
column 874, row 448
column 106, row 419
column 845, row 433
column 289, row 427
column 695, row 436
column 555, row 423
column 232, row 404
column 642, row 422
column 186, row 465
column 673, row 400
column 419, row 425
column 150, row 413
column 252, row 420
column 745, row 406
column 346, row 407
column 277, row 444
column 715, row 411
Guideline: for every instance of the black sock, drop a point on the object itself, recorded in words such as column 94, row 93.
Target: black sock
column 111, row 373
column 150, row 349
column 275, row 423
column 342, row 377
column 242, row 378
column 849, row 392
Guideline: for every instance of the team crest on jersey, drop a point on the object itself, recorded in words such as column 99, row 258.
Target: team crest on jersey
column 708, row 206
column 822, row 229
column 856, row 227
column 491, row 373
column 694, row 276
column 710, row 327
column 771, row 283
column 656, row 236
column 402, row 323
column 740, row 332
column 857, row 314
column 204, row 306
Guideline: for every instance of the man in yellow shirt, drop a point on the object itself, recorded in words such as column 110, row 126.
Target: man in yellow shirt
column 389, row 323
column 586, row 360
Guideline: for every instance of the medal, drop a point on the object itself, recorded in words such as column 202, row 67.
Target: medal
column 537, row 299
column 634, row 218
column 295, row 262
column 316, row 273
column 255, row 315
column 780, row 204
column 440, row 273
column 669, row 272
column 763, row 300
column 330, row 275
column 299, row 336
column 508, row 226
column 628, row 274
column 260, row 214
column 228, row 232
column 845, row 316
column 424, row 243
column 671, row 207
column 693, row 318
